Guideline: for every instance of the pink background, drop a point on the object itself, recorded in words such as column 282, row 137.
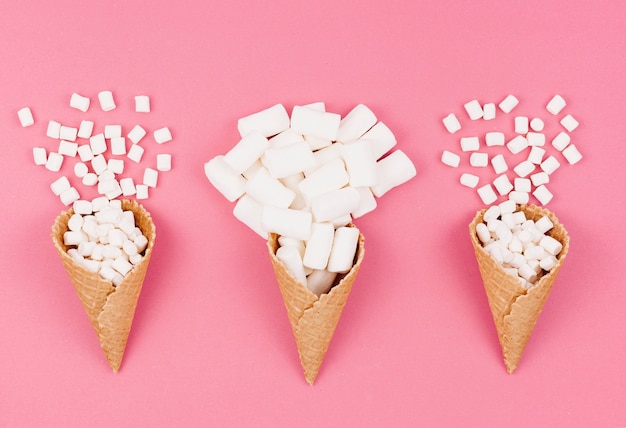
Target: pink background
column 211, row 343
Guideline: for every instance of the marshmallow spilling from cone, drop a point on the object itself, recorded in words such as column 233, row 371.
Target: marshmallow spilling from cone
column 305, row 177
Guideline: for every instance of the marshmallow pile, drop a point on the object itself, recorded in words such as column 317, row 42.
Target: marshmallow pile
column 305, row 177
column 520, row 245
column 103, row 238
column 531, row 174
column 97, row 168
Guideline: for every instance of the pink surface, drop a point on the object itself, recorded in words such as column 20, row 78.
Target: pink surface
column 211, row 344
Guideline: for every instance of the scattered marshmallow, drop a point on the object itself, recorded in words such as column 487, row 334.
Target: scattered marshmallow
column 479, row 159
column 469, row 144
column 67, row 148
column 112, row 131
column 164, row 162
column 489, row 111
column 135, row 153
column 536, row 124
column 79, row 102
column 162, row 135
column 517, row 144
column 469, row 180
column 503, row 185
column 494, row 139
column 54, row 162
column 536, row 139
column 136, row 134
column 487, row 195
column 508, row 104
column 107, row 103
column 80, row 169
column 451, row 123
column 569, row 123
column 571, row 154
column 474, row 109
column 25, row 117
column 150, row 177
column 499, row 164
column 450, row 159
column 118, row 146
column 85, row 129
column 556, row 104
column 550, row 165
column 524, row 168
column 142, row 104
column 536, row 155
column 68, row 133
column 40, row 156
column 54, row 129
column 543, row 195
column 521, row 125
column 561, row 141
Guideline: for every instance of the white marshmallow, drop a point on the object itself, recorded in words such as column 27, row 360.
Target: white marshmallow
column 268, row 190
column 544, row 224
column 330, row 176
column 164, row 162
column 571, row 154
column 517, row 144
column 68, row 133
column 335, row 204
column 285, row 138
column 72, row 237
column 325, row 155
column 345, row 244
column 561, row 141
column 479, row 159
column 524, row 168
column 508, row 103
column 284, row 161
column 135, row 153
column 469, row 144
column 316, row 143
column 450, row 159
column 136, row 134
column 307, row 121
column 127, row 185
column 489, row 111
column 569, row 123
column 320, row 281
column 543, row 195
column 290, row 257
column 356, row 123
column 494, row 139
column 39, row 155
column 25, row 117
column 319, row 245
column 522, row 185
column 503, row 185
column 536, row 124
column 506, row 207
column 528, row 273
column 90, row 179
column 469, row 180
column 60, row 185
column 98, row 144
column 150, row 177
column 67, row 148
column 483, row 233
column 142, row 191
column 116, row 166
column 80, row 169
column 367, row 202
column 550, row 165
column 118, row 146
column 474, row 109
column 520, row 198
column 268, row 122
column 85, row 129
column 540, row 178
column 393, row 170
column 107, row 103
column 487, row 195
column 381, row 139
column 521, row 124
column 142, row 104
column 162, row 135
column 79, row 102
column 224, row 178
column 54, row 129
column 551, row 245
column 451, row 123
column 547, row 263
column 499, row 164
column 536, row 139
column 54, row 162
column 247, row 151
column 99, row 164
column 69, row 196
column 249, row 212
column 556, row 104
column 536, row 155
column 85, row 153
column 287, row 222
column 292, row 182
column 360, row 163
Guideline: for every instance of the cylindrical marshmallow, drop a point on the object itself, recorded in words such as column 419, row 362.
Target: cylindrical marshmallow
column 319, row 245
column 469, row 180
column 543, row 195
column 162, row 135
column 320, row 281
column 536, row 124
column 224, row 178
column 519, row 197
column 451, row 123
column 344, row 248
column 550, row 165
column 69, row 196
column 248, row 211
column 479, row 159
column 360, row 163
column 474, row 109
column 517, row 144
column 25, row 117
column 569, row 123
column 469, row 144
column 450, row 159
column 381, row 138
column 330, row 176
column 307, row 121
column 54, row 162
column 85, row 129
column 246, row 151
column 551, row 245
column 487, row 195
column 508, row 103
column 355, row 124
column 503, row 185
column 489, row 111
column 290, row 257
column 561, row 141
column 285, row 161
column 268, row 190
column 524, row 168
column 136, row 134
column 393, row 170
column 107, row 103
column 571, row 154
column 536, row 155
column 336, row 203
column 287, row 222
column 483, row 233
column 499, row 164
column 79, row 102
column 268, row 122
column 494, row 139
column 367, row 202
column 521, row 124
column 142, row 104
column 536, row 139
column 555, row 105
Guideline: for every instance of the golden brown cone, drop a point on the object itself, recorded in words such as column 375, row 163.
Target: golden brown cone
column 110, row 309
column 514, row 308
column 313, row 320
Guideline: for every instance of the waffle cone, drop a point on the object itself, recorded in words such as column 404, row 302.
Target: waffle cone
column 110, row 309
column 515, row 309
column 313, row 319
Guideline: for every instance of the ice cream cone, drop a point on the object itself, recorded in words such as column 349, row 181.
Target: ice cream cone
column 313, row 320
column 514, row 308
column 110, row 309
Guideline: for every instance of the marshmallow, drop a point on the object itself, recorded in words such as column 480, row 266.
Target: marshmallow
column 69, row 196
column 249, row 212
column 360, row 163
column 39, row 155
column 550, row 165
column 107, row 103
column 469, row 144
column 246, row 152
column 540, row 178
column 483, row 233
column 164, row 162
column 544, row 224
column 508, row 103
column 320, row 281
column 85, row 153
column 551, row 245
column 517, row 144
column 330, row 176
column 136, row 134
column 487, row 195
column 25, row 117
column 85, row 129
column 450, row 159
column 150, row 177
column 307, row 121
column 522, row 184
column 524, row 168
column 473, row 109
column 335, row 204
column 494, row 139
column 224, row 178
column 367, row 203
column 90, row 179
column 118, row 146
column 80, row 169
column 142, row 104
column 116, row 165
column 344, row 248
column 79, row 102
column 292, row 182
column 54, row 162
column 571, row 154
column 287, row 222
column 489, row 111
column 68, row 133
column 536, row 124
column 469, row 180
column 499, row 164
column 319, row 245
column 503, row 185
column 569, row 123
column 135, row 153
column 162, row 135
column 521, row 125
column 316, row 143
column 54, row 129
column 536, row 155
column 356, row 123
column 127, row 185
column 60, row 185
column 285, row 138
column 284, row 161
column 536, row 139
column 99, row 164
column 268, row 122
column 98, row 144
column 543, row 195
column 451, row 123
column 67, row 148
column 555, row 105
column 520, row 198
column 479, row 159
column 268, row 190
column 290, row 257
column 561, row 141
column 393, row 170
column 142, row 191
